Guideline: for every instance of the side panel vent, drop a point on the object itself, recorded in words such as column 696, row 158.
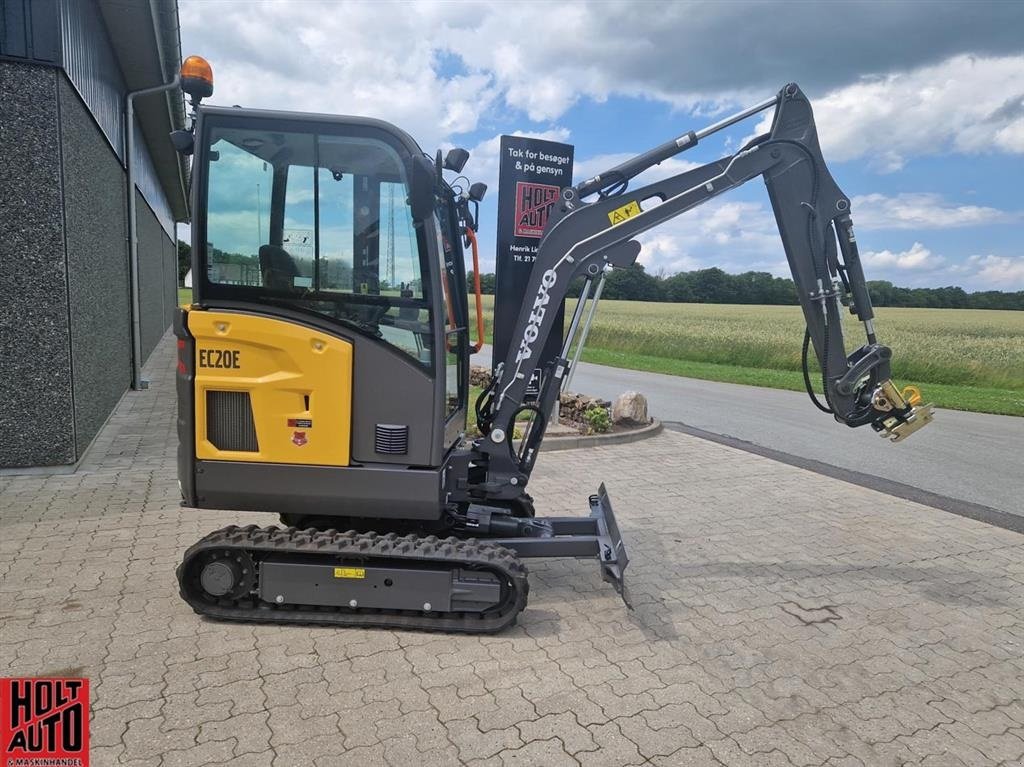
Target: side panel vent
column 391, row 439
column 229, row 423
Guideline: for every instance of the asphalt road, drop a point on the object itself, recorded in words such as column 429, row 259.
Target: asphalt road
column 971, row 457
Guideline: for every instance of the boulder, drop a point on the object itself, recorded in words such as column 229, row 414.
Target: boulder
column 630, row 409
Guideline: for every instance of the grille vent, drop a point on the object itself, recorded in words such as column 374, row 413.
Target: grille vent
column 391, row 439
column 229, row 424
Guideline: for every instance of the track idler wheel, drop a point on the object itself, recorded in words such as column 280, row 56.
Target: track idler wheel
column 227, row 574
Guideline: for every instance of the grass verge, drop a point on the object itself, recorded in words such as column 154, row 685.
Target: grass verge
column 984, row 400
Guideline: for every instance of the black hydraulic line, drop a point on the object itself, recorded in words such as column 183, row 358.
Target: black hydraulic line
column 807, row 376
column 528, row 438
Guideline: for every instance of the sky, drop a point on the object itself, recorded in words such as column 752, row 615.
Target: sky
column 919, row 106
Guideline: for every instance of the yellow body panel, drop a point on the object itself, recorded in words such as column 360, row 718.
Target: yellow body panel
column 298, row 379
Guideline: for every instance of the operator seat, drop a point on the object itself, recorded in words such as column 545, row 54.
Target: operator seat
column 277, row 267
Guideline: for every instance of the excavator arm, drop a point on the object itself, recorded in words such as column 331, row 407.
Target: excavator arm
column 588, row 238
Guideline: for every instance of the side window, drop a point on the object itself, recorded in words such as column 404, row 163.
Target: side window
column 261, row 224
column 298, row 229
column 455, row 336
column 335, row 230
column 238, row 218
column 399, row 251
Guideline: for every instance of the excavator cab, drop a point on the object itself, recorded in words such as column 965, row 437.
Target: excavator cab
column 329, row 320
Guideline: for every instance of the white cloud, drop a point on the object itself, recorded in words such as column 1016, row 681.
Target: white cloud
column 954, row 81
column 917, row 210
column 966, row 104
column 438, row 68
column 999, row 272
column 665, row 253
column 353, row 58
column 916, row 257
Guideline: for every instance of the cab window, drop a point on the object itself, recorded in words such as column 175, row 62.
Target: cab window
column 320, row 224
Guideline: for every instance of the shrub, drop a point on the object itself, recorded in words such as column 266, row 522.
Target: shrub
column 598, row 420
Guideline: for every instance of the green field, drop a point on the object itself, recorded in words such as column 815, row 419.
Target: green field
column 965, row 359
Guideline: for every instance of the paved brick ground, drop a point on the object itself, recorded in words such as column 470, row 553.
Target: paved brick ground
column 781, row 618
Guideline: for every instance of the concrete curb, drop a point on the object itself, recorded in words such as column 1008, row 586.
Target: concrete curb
column 600, row 440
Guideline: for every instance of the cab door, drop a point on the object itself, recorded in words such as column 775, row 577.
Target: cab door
column 456, row 323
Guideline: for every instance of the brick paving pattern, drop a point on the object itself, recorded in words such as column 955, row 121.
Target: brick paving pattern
column 782, row 618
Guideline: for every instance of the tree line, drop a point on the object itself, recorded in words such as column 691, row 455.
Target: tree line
column 714, row 286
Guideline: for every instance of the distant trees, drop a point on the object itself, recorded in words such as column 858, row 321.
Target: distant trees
column 633, row 284
column 184, row 260
column 884, row 293
column 713, row 286
column 486, row 283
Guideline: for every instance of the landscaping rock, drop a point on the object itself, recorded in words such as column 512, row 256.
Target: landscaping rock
column 479, row 376
column 572, row 406
column 630, row 409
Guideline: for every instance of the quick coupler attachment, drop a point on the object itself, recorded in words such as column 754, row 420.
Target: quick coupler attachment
column 901, row 412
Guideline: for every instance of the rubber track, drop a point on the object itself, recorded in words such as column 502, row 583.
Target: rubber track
column 352, row 546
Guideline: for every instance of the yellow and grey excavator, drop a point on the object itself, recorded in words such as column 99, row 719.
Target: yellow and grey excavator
column 323, row 363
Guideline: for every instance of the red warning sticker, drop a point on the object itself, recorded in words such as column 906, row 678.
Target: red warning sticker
column 44, row 722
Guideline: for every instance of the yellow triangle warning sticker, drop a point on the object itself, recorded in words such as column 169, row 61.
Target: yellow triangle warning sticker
column 628, row 210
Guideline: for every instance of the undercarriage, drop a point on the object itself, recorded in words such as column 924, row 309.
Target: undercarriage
column 472, row 581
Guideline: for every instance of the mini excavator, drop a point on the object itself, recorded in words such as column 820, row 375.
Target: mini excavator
column 323, row 365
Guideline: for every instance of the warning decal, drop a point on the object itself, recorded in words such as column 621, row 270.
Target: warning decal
column 349, row 572
column 629, row 210
column 44, row 722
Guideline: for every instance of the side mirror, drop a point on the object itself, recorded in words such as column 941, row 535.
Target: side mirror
column 422, row 182
column 477, row 191
column 456, row 159
column 183, row 141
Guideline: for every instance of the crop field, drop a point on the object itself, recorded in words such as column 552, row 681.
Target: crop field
column 966, row 359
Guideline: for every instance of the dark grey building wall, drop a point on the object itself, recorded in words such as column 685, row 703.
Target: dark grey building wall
column 152, row 289
column 170, row 280
column 65, row 314
column 97, row 258
column 36, row 397
column 30, row 30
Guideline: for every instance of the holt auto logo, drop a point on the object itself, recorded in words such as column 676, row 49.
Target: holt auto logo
column 44, row 722
column 533, row 206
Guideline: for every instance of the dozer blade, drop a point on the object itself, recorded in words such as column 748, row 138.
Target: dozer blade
column 594, row 536
column 612, row 554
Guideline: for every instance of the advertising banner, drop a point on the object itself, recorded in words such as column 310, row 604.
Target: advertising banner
column 531, row 176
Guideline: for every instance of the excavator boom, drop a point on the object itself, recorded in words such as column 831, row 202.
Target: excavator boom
column 587, row 238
